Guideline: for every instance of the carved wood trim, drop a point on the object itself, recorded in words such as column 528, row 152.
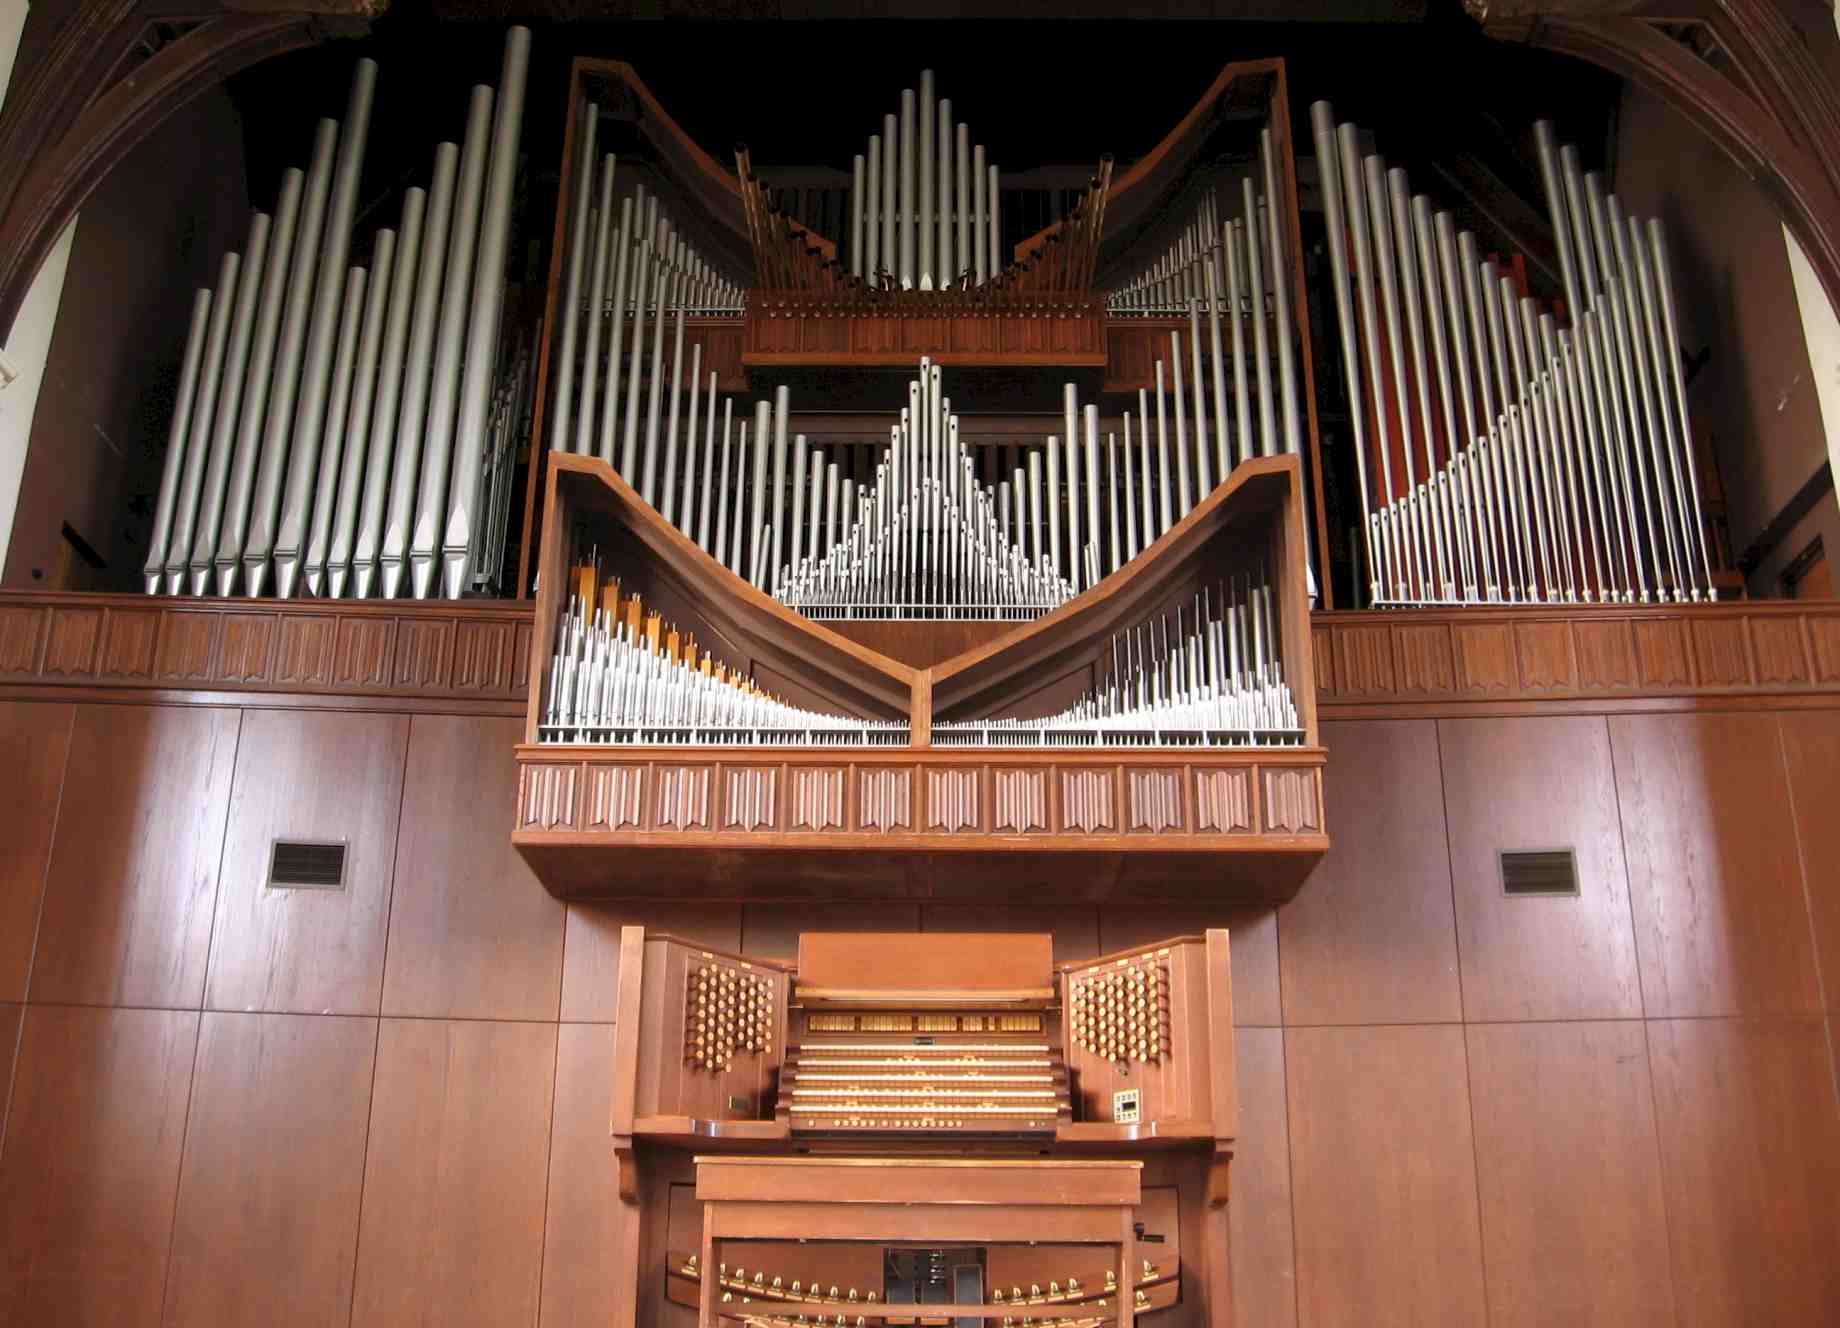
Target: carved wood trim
column 1597, row 653
column 470, row 652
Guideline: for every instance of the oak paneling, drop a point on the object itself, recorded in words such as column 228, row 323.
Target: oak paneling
column 472, row 933
column 591, row 952
column 578, row 1275
column 10, row 1016
column 133, row 876
column 1259, row 1214
column 1569, row 1175
column 1371, row 937
column 1811, row 752
column 454, row 1174
column 91, row 1163
column 1252, row 932
column 34, row 741
column 1384, row 1178
column 1714, row 874
column 1075, row 927
column 1750, row 1152
column 308, row 775
column 772, row 930
column 1539, row 783
column 267, row 1221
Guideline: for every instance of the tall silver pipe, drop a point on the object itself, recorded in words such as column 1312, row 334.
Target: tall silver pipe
column 736, row 535
column 661, row 307
column 856, row 216
column 1242, row 386
column 944, row 272
column 927, row 165
column 252, row 528
column 1654, row 356
column 194, row 543
column 993, row 189
column 1261, row 353
column 585, row 413
column 961, row 165
column 710, row 479
column 231, row 478
column 684, row 507
column 1387, row 567
column 1655, row 416
column 782, row 407
column 571, row 296
column 833, row 510
column 1092, row 478
column 1657, row 241
column 332, row 445
column 1070, row 436
column 230, row 316
column 1411, row 296
column 179, row 430
column 1131, row 490
column 450, row 340
column 757, row 491
column 1548, row 153
column 795, row 531
column 1052, row 500
column 907, row 228
column 1185, row 498
column 717, row 492
column 616, row 333
column 1328, row 165
column 359, row 550
column 1379, row 216
column 1204, row 466
column 980, row 227
column 1281, row 301
column 308, row 432
column 1035, row 544
column 872, row 213
column 1223, row 449
column 1167, row 512
column 818, row 520
column 1422, row 229
column 357, row 424
column 891, row 197
column 664, row 497
column 392, row 558
column 635, row 368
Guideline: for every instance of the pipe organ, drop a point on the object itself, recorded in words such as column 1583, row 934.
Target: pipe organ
column 352, row 429
column 1041, row 1082
column 1508, row 452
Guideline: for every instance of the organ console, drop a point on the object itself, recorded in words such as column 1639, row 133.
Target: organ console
column 923, row 1129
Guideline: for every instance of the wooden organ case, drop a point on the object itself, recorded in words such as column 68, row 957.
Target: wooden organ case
column 923, row 1129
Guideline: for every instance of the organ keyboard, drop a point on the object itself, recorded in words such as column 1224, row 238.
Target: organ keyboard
column 874, row 1052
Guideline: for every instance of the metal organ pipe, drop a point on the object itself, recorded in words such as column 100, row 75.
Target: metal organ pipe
column 336, row 557
column 589, row 116
column 181, row 424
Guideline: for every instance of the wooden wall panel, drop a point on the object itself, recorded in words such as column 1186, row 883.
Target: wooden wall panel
column 1384, row 1177
column 591, row 950
column 772, row 930
column 1259, row 1213
column 579, row 1269
column 133, row 876
column 1075, row 927
column 1252, row 933
column 1371, row 937
column 1538, row 783
column 10, row 1016
column 267, row 1221
column 308, row 775
column 1569, row 1175
column 472, row 933
column 1714, row 875
column 1811, row 752
column 1750, row 1153
column 454, row 1178
column 34, row 741
column 91, row 1163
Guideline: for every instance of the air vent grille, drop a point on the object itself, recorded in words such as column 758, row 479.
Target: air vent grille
column 306, row 864
column 1546, row 871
